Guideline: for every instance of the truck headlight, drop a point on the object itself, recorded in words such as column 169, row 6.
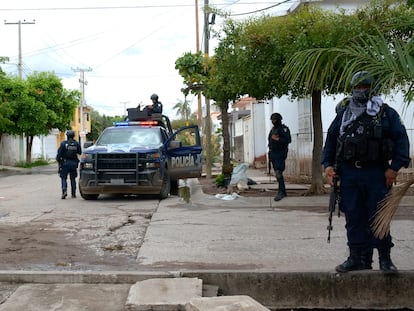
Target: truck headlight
column 87, row 161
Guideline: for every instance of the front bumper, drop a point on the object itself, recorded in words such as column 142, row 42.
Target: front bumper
column 120, row 182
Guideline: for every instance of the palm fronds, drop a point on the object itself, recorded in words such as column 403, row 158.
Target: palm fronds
column 387, row 208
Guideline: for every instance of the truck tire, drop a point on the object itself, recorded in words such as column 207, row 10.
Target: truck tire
column 166, row 186
column 88, row 196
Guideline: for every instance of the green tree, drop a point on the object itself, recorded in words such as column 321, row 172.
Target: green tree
column 52, row 105
column 269, row 42
column 223, row 83
column 392, row 61
column 99, row 123
column 10, row 94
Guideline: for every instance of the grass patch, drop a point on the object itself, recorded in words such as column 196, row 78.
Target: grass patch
column 37, row 162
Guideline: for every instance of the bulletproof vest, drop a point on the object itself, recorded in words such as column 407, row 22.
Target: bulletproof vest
column 157, row 107
column 364, row 141
column 71, row 151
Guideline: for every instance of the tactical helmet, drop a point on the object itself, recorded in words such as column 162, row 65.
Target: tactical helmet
column 70, row 134
column 154, row 97
column 363, row 78
column 276, row 116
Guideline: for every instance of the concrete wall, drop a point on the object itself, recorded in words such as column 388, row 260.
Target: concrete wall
column 11, row 149
column 370, row 290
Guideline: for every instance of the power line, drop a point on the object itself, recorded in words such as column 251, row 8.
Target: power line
column 260, row 10
column 125, row 7
column 100, row 7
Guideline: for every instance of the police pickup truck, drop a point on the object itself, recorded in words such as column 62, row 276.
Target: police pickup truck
column 141, row 155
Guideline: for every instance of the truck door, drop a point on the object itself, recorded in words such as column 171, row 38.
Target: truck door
column 184, row 153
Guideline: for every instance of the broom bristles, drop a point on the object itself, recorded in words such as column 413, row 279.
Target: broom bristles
column 387, row 208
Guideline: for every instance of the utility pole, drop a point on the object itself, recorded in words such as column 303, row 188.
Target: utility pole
column 19, row 24
column 199, row 106
column 20, row 71
column 82, row 103
column 207, row 100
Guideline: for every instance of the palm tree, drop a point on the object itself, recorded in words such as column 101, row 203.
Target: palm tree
column 183, row 108
column 391, row 61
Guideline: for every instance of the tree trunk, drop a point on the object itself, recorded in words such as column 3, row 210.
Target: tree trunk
column 227, row 168
column 317, row 186
column 29, row 144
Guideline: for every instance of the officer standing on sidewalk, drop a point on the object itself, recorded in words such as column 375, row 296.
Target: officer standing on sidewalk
column 366, row 146
column 278, row 141
column 67, row 157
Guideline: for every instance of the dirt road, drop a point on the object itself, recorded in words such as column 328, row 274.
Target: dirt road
column 40, row 231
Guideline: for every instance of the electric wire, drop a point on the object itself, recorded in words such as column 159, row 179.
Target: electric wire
column 261, row 10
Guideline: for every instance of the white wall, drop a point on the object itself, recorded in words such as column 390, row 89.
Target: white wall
column 10, row 150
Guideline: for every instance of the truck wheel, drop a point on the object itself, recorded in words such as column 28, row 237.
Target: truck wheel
column 89, row 196
column 166, row 186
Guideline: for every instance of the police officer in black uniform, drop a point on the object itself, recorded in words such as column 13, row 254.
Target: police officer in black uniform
column 366, row 146
column 67, row 157
column 156, row 105
column 278, row 140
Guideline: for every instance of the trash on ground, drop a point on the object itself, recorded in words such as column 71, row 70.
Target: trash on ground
column 227, row 197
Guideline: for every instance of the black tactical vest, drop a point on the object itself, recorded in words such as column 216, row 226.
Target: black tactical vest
column 364, row 141
column 71, row 151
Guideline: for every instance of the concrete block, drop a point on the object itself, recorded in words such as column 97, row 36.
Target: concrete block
column 225, row 303
column 68, row 297
column 163, row 294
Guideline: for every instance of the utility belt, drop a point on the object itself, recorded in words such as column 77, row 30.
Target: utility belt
column 363, row 164
column 70, row 159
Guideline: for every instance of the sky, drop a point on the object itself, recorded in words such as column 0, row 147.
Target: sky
column 127, row 48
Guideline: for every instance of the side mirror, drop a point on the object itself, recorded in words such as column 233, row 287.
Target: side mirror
column 87, row 144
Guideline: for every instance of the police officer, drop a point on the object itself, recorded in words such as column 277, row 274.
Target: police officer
column 366, row 146
column 67, row 157
column 156, row 105
column 278, row 140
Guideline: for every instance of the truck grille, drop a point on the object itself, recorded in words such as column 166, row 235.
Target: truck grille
column 118, row 161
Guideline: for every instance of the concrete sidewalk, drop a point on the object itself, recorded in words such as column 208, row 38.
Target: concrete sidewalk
column 276, row 252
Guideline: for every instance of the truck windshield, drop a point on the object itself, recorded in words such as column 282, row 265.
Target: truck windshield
column 134, row 136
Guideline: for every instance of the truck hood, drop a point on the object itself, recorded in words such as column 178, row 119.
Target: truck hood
column 121, row 148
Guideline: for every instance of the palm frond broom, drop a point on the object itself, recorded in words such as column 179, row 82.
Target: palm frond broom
column 387, row 208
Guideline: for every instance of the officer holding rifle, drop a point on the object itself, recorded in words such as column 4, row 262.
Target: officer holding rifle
column 367, row 144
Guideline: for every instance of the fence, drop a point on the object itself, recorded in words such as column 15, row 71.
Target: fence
column 299, row 160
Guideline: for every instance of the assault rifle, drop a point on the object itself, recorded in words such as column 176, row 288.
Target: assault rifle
column 334, row 199
column 269, row 163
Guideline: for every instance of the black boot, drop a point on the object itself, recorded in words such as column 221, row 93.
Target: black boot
column 64, row 195
column 366, row 259
column 280, row 195
column 357, row 260
column 385, row 263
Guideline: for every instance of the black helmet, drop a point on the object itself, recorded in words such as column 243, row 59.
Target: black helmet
column 70, row 134
column 154, row 97
column 363, row 78
column 276, row 116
